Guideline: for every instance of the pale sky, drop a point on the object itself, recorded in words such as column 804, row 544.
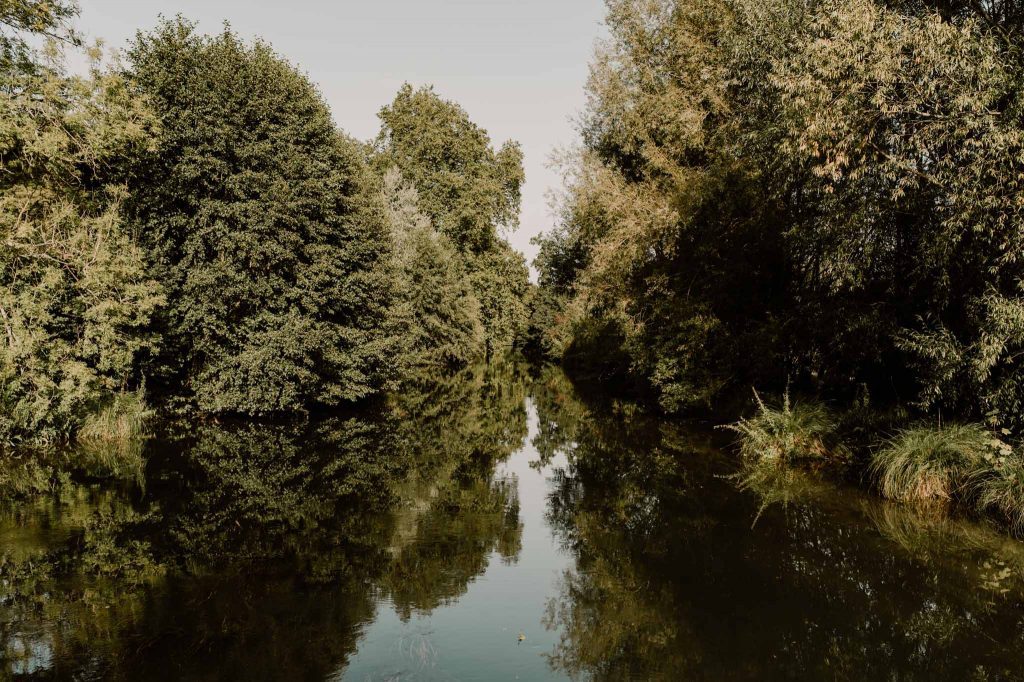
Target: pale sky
column 517, row 66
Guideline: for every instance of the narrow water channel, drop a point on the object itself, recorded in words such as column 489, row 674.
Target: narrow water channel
column 490, row 527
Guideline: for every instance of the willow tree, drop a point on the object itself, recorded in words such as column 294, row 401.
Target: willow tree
column 75, row 300
column 262, row 221
column 470, row 193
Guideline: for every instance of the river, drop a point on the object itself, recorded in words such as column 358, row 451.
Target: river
column 491, row 526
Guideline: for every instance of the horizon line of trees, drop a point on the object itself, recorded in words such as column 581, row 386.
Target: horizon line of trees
column 190, row 228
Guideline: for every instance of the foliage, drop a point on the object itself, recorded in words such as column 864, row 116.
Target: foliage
column 927, row 463
column 123, row 419
column 500, row 280
column 196, row 225
column 772, row 192
column 76, row 302
column 998, row 486
column 545, row 336
column 435, row 305
column 788, row 434
column 260, row 219
column 470, row 193
column 468, row 190
column 19, row 18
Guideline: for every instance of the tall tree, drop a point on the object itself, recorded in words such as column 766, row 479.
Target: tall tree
column 438, row 312
column 827, row 194
column 470, row 192
column 262, row 221
column 75, row 300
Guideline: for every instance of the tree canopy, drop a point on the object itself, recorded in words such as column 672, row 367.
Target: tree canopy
column 192, row 228
column 261, row 220
column 76, row 302
column 470, row 192
column 771, row 193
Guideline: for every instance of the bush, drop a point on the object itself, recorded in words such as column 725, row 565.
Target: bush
column 999, row 488
column 927, row 463
column 788, row 434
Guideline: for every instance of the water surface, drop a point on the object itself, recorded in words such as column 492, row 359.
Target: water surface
column 488, row 527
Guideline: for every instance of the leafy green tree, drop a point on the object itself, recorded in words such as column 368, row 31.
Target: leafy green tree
column 827, row 195
column 261, row 220
column 470, row 193
column 42, row 18
column 435, row 306
column 501, row 280
column 75, row 299
column 468, row 190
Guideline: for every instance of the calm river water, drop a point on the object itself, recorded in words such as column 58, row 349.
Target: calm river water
column 489, row 527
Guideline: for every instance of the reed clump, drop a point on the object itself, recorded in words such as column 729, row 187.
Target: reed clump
column 788, row 434
column 122, row 420
column 968, row 464
column 998, row 488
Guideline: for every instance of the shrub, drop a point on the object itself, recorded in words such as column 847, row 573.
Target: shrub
column 927, row 463
column 999, row 487
column 785, row 435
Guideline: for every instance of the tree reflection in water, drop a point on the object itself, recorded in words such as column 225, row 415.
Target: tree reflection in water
column 257, row 551
column 672, row 581
column 266, row 551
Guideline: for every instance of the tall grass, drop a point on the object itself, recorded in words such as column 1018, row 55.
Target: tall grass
column 121, row 420
column 998, row 487
column 787, row 434
column 966, row 463
column 930, row 463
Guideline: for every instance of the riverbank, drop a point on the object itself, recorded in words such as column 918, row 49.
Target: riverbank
column 958, row 467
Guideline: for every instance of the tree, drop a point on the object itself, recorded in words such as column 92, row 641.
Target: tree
column 772, row 193
column 261, row 220
column 468, row 190
column 75, row 299
column 501, row 280
column 437, row 309
column 42, row 18
column 470, row 193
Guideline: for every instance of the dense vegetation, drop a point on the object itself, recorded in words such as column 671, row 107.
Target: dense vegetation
column 470, row 193
column 190, row 229
column 259, row 220
column 76, row 300
column 825, row 195
column 820, row 197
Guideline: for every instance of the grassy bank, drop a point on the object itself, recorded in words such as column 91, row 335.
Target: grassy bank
column 108, row 444
column 964, row 467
